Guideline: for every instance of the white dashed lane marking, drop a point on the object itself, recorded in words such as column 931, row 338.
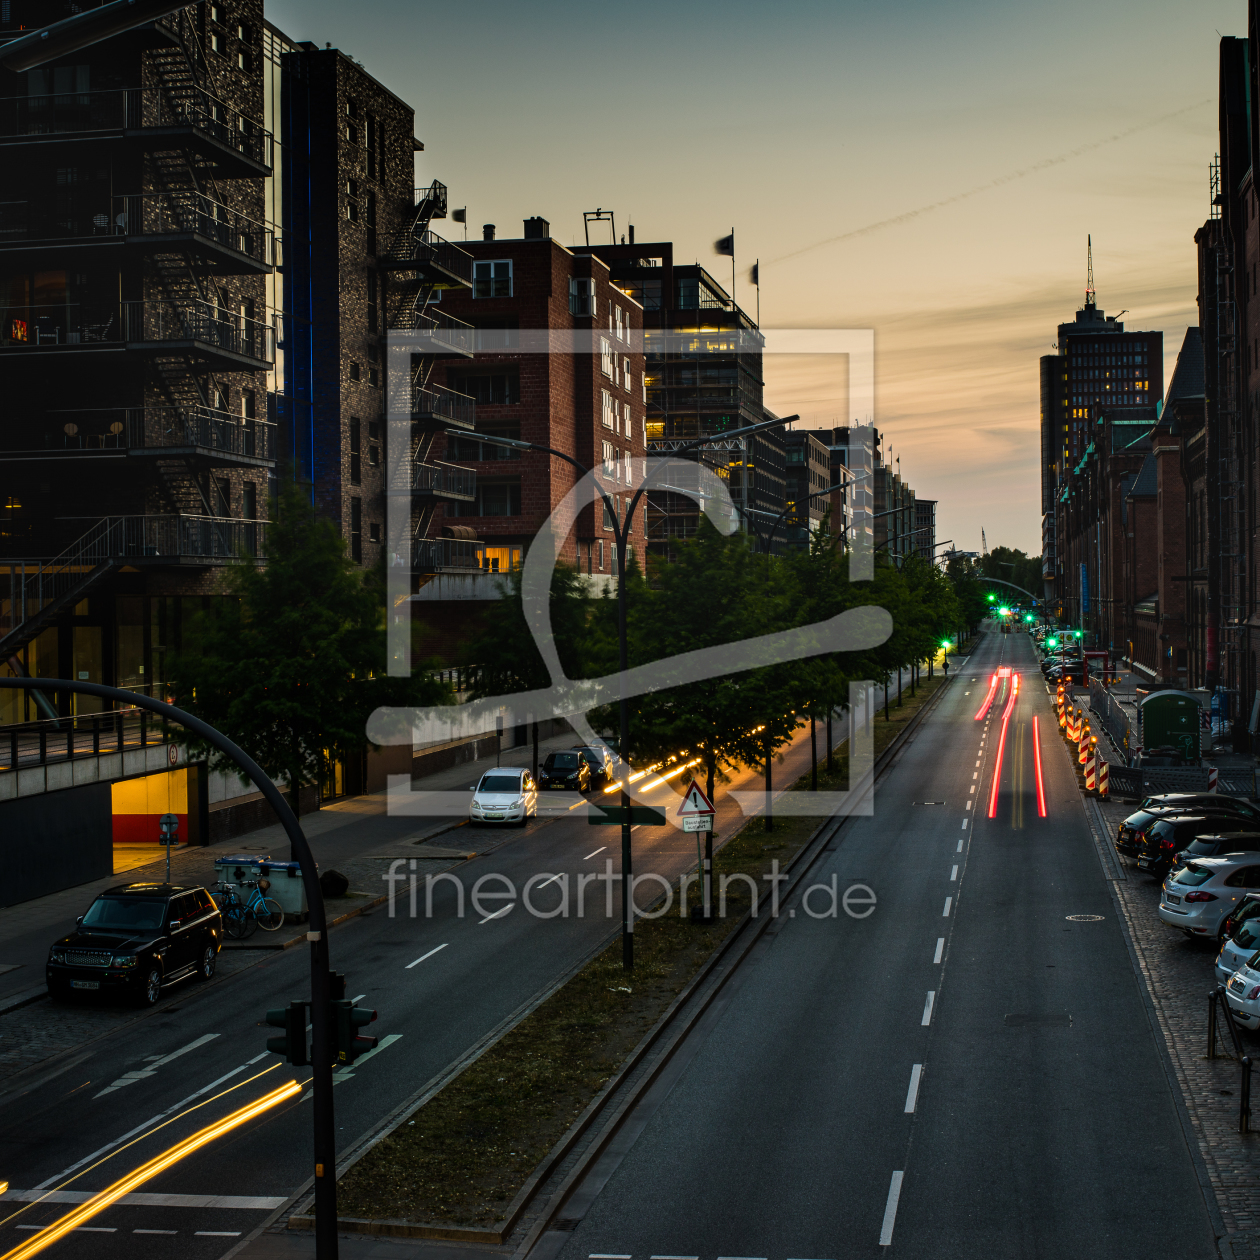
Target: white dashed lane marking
column 422, row 957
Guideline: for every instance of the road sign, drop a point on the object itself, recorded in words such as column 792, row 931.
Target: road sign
column 694, row 802
column 698, row 822
column 614, row 816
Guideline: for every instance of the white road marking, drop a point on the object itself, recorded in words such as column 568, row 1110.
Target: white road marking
column 927, row 1008
column 155, row 1231
column 912, row 1094
column 940, row 949
column 949, row 901
column 971, row 789
column 360, row 998
column 498, row 914
column 959, row 849
column 588, row 857
column 675, row 1258
column 953, row 874
column 890, row 1210
column 234, row 1202
column 129, row 1078
column 217, row 1233
column 975, row 774
column 605, row 1255
column 95, row 1229
column 344, row 1074
column 422, row 957
column 161, row 1115
column 553, row 879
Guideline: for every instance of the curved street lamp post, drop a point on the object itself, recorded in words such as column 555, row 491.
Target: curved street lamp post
column 324, row 1144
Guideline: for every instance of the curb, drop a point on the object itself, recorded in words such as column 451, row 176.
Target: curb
column 740, row 936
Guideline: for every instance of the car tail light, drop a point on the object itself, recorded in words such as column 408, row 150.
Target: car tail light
column 1253, row 994
column 1200, row 896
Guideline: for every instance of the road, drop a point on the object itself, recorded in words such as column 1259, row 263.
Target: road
column 967, row 1073
column 441, row 983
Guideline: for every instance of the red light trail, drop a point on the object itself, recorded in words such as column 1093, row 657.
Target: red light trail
column 988, row 700
column 1041, row 787
column 997, row 766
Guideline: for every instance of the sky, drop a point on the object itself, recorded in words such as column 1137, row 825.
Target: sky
column 927, row 170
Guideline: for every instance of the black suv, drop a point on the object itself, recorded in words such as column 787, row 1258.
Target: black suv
column 136, row 938
column 1129, row 833
column 600, row 761
column 566, row 770
column 1166, row 837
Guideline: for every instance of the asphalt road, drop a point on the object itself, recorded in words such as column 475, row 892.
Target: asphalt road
column 968, row 1072
column 441, row 983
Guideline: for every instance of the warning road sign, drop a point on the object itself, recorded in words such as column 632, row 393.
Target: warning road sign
column 694, row 802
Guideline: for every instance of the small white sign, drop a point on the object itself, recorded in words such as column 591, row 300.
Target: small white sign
column 698, row 822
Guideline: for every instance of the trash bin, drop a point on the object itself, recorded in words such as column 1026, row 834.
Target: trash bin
column 286, row 887
column 236, row 867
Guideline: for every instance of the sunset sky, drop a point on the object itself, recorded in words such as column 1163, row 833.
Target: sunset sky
column 802, row 124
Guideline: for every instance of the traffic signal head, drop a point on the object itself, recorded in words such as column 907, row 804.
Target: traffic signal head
column 1077, row 633
column 991, row 598
column 1028, row 617
column 1052, row 642
column 1006, row 612
column 292, row 1044
column 945, row 644
column 346, row 1018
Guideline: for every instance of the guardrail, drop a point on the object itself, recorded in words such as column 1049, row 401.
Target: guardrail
column 160, row 320
column 1113, row 718
column 157, row 428
column 437, row 555
column 165, row 213
column 85, row 735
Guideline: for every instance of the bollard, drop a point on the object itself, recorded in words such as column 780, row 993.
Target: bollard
column 1103, row 785
column 1213, row 773
column 1244, row 1102
column 1089, row 771
column 1211, row 1036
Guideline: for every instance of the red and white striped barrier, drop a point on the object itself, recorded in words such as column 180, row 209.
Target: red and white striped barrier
column 1090, row 761
column 1102, row 778
column 1212, row 773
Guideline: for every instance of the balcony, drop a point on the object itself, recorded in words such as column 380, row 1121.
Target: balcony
column 446, row 555
column 233, row 341
column 203, row 328
column 441, row 406
column 238, row 146
column 434, row 260
column 447, row 482
column 202, row 432
column 442, row 334
column 79, row 227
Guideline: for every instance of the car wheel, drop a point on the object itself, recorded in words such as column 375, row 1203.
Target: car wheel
column 59, row 992
column 209, row 958
column 151, row 988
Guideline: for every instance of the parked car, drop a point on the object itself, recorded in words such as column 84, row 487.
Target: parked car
column 1240, row 935
column 1070, row 671
column 1129, row 833
column 1203, row 893
column 1056, row 659
column 135, row 940
column 507, row 794
column 569, row 770
column 1166, row 757
column 1216, row 845
column 1164, row 838
column 600, row 761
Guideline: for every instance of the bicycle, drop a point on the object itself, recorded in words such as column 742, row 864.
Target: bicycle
column 241, row 917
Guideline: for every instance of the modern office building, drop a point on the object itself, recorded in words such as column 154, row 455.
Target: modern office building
column 807, row 462
column 925, row 528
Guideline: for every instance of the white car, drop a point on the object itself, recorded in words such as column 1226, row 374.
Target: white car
column 1202, row 893
column 1242, row 993
column 1241, row 938
column 504, row 795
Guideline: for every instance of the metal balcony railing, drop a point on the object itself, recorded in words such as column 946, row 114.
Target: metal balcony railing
column 162, row 320
column 25, row 744
column 424, row 250
column 59, row 324
column 444, row 480
column 166, row 213
column 156, row 428
column 438, row 555
column 135, row 109
column 439, row 333
column 441, row 404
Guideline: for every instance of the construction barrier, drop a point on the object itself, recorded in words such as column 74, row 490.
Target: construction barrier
column 1090, row 770
column 1213, row 775
column 1103, row 778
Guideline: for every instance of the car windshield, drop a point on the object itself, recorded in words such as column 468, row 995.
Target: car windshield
column 500, row 783
column 125, row 914
column 562, row 761
column 1193, row 876
column 593, row 754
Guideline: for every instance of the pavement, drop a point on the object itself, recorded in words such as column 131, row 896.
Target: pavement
column 969, row 1072
column 93, row 1089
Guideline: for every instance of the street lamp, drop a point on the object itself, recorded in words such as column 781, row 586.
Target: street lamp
column 621, row 537
column 325, row 1136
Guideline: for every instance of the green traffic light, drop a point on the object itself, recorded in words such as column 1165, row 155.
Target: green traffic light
column 1028, row 616
column 1006, row 612
column 1052, row 643
column 992, row 598
column 945, row 644
column 1077, row 633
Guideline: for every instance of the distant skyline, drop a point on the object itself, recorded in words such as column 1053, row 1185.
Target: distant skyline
column 929, row 171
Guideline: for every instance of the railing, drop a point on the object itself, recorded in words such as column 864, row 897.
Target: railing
column 59, row 324
column 1217, row 1002
column 46, row 114
column 427, row 249
column 156, row 214
column 439, row 403
column 445, row 479
column 161, row 320
column 435, row 555
column 442, row 333
column 154, row 428
column 85, row 735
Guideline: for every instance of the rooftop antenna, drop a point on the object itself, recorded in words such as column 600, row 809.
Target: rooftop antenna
column 599, row 215
column 1090, row 297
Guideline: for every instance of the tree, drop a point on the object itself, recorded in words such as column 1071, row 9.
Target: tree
column 291, row 664
column 1012, row 565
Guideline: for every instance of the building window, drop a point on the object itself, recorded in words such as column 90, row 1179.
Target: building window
column 217, row 43
column 607, row 360
column 497, row 333
column 627, row 381
column 354, row 371
column 356, row 529
column 581, row 297
column 497, row 390
column 620, row 326
column 372, row 313
column 218, row 14
column 610, row 460
column 356, row 467
column 371, row 224
column 495, row 498
column 374, row 437
column 374, row 377
column 374, row 532
column 249, row 501
column 492, row 279
column 222, row 496
column 606, row 409
column 242, row 59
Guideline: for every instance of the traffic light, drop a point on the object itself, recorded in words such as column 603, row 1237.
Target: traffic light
column 1052, row 642
column 346, row 1018
column 1028, row 617
column 1077, row 633
column 992, row 599
column 292, row 1044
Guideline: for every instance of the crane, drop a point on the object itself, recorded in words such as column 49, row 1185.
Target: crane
column 984, row 543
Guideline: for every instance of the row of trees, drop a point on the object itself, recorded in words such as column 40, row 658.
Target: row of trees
column 291, row 665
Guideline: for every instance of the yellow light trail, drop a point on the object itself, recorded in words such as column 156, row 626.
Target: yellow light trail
column 665, row 778
column 146, row 1172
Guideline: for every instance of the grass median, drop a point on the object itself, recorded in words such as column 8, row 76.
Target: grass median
column 462, row 1158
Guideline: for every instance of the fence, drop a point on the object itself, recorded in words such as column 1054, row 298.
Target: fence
column 1115, row 721
column 1133, row 782
column 87, row 735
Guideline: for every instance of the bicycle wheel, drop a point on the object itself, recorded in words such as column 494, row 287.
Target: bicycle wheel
column 268, row 913
column 234, row 922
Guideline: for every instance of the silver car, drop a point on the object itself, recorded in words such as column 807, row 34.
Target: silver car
column 1242, row 993
column 1241, row 937
column 1198, row 897
column 504, row 795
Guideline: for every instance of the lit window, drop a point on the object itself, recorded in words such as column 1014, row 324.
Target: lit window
column 606, row 409
column 607, row 360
